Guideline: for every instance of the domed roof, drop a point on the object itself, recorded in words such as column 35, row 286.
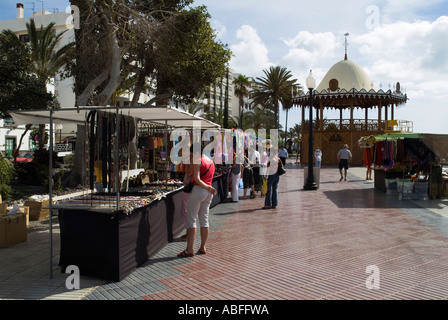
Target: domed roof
column 346, row 75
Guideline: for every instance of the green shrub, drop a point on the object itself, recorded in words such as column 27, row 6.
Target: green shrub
column 6, row 174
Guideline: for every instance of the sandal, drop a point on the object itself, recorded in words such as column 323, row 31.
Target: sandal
column 184, row 254
column 265, row 207
column 200, row 252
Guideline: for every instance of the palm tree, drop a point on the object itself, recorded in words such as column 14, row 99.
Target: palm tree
column 287, row 104
column 241, row 83
column 260, row 118
column 215, row 115
column 274, row 88
column 296, row 135
column 192, row 108
column 242, row 121
column 47, row 60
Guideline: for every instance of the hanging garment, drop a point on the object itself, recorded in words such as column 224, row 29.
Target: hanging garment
column 402, row 156
column 367, row 158
column 379, row 147
column 388, row 160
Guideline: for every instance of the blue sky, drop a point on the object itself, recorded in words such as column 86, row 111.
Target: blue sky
column 8, row 7
column 393, row 40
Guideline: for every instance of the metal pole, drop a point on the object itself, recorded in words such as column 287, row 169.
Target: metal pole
column 166, row 155
column 117, row 158
column 50, row 187
column 310, row 183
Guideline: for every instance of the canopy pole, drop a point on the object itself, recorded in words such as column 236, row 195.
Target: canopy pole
column 166, row 155
column 117, row 157
column 50, row 187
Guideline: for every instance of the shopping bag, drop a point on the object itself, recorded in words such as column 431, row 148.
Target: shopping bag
column 187, row 188
column 280, row 170
column 264, row 188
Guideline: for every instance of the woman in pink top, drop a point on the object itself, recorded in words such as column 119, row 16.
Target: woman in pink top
column 199, row 201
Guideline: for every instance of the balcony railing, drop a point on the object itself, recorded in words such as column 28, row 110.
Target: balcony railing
column 344, row 125
column 361, row 125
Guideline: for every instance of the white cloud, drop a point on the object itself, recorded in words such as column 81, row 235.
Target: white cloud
column 250, row 53
column 220, row 29
column 408, row 44
column 416, row 55
column 413, row 50
column 309, row 51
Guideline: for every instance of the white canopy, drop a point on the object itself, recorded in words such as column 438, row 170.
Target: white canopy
column 161, row 115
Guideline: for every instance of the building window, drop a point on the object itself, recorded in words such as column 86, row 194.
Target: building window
column 24, row 38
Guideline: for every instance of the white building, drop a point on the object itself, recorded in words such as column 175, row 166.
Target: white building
column 214, row 99
column 63, row 88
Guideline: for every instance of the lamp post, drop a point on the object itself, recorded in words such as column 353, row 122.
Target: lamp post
column 310, row 183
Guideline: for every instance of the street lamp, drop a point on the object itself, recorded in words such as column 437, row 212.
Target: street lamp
column 310, row 183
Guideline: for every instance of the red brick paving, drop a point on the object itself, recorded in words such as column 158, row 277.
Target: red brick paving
column 316, row 245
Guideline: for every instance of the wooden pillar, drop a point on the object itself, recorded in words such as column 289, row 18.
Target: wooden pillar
column 379, row 116
column 351, row 116
column 321, row 124
column 392, row 111
column 386, row 116
column 340, row 119
column 303, row 118
column 366, row 119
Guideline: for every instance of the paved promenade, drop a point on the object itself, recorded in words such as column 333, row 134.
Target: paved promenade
column 333, row 243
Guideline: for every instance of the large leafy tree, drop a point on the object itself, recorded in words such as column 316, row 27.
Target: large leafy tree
column 164, row 42
column 20, row 87
column 188, row 57
column 272, row 89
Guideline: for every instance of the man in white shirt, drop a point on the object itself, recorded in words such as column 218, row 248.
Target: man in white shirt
column 344, row 156
column 255, row 162
column 318, row 156
column 283, row 154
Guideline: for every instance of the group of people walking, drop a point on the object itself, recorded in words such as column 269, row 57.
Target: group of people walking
column 258, row 169
column 200, row 172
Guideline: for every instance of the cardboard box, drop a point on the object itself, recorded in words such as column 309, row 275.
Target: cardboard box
column 25, row 210
column 12, row 229
column 36, row 209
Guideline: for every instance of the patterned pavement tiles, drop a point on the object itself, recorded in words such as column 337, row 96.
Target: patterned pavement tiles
column 315, row 245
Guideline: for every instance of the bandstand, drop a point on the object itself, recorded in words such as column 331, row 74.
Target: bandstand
column 347, row 87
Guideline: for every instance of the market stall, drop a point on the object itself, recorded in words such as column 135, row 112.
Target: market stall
column 109, row 232
column 408, row 164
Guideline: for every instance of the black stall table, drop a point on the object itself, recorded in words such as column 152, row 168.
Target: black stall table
column 110, row 244
column 221, row 184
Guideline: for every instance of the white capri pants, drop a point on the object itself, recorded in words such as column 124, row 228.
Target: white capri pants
column 198, row 206
column 235, row 185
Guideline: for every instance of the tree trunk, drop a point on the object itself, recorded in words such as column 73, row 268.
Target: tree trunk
column 41, row 142
column 27, row 128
